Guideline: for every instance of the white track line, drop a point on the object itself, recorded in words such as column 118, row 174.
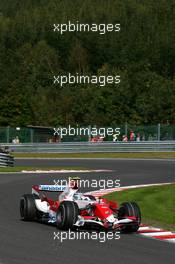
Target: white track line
column 113, row 159
column 144, row 228
column 172, row 240
column 64, row 171
column 162, row 233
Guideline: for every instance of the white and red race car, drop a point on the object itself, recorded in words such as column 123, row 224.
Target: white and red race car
column 78, row 210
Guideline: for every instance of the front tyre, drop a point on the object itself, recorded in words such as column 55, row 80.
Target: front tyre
column 130, row 209
column 67, row 215
column 28, row 209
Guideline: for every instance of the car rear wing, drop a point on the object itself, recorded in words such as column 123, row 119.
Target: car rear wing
column 48, row 188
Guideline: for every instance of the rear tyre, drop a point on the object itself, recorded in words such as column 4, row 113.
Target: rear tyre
column 28, row 209
column 67, row 215
column 130, row 209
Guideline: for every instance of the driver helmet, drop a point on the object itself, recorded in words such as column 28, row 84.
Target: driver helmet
column 74, row 182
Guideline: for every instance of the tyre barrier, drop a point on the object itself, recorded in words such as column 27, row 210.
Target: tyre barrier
column 6, row 160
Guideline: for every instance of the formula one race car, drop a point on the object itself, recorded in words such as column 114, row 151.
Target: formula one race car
column 78, row 210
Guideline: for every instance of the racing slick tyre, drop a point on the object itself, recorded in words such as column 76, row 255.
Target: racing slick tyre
column 28, row 209
column 67, row 215
column 130, row 209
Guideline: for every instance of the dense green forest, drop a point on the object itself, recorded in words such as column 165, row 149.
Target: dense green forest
column 142, row 53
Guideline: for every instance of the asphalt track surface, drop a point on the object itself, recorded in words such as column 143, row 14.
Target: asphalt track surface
column 25, row 242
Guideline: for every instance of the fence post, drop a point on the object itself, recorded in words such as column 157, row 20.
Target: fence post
column 89, row 136
column 158, row 132
column 31, row 135
column 8, row 134
column 126, row 128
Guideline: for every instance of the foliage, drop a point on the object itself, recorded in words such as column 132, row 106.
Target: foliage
column 143, row 53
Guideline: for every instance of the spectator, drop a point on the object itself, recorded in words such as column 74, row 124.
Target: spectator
column 150, row 138
column 143, row 137
column 132, row 136
column 138, row 137
column 16, row 140
column 115, row 137
column 125, row 138
column 101, row 139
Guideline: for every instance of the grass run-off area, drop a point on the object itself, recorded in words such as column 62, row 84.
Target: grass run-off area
column 42, row 168
column 157, row 204
column 162, row 155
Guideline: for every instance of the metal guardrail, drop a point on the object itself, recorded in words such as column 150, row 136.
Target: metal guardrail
column 90, row 147
column 6, row 160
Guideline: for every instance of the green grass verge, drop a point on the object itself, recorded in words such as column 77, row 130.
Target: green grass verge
column 20, row 168
column 163, row 155
column 157, row 204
